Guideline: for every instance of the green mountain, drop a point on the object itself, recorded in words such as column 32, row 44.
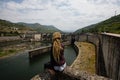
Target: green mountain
column 8, row 28
column 41, row 28
column 111, row 25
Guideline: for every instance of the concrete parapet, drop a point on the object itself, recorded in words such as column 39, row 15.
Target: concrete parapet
column 110, row 44
column 38, row 51
column 68, row 74
column 81, row 75
column 41, row 50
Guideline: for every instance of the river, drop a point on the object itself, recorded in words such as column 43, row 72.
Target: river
column 20, row 67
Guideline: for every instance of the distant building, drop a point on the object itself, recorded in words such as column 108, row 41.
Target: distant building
column 32, row 36
column 37, row 37
column 14, row 28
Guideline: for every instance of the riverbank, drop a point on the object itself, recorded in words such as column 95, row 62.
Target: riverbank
column 13, row 49
column 85, row 60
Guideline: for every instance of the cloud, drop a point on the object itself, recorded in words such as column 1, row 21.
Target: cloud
column 67, row 15
column 27, row 4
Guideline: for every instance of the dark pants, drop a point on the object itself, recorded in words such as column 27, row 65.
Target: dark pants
column 48, row 65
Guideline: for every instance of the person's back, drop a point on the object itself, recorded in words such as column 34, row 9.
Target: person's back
column 57, row 53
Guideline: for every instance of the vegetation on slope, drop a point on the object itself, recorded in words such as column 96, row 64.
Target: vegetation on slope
column 41, row 28
column 12, row 29
column 8, row 28
column 111, row 25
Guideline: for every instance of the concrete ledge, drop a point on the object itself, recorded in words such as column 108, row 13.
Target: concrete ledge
column 41, row 50
column 38, row 51
column 81, row 75
column 68, row 74
column 110, row 50
column 111, row 34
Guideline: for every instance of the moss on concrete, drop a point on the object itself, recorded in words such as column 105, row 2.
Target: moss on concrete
column 85, row 60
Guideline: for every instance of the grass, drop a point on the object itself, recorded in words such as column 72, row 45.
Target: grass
column 16, row 48
column 85, row 60
column 10, row 50
column 7, row 52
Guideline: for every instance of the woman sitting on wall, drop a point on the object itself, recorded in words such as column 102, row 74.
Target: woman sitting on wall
column 57, row 54
column 57, row 60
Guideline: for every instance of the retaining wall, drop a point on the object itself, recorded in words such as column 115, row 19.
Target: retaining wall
column 110, row 44
column 38, row 51
column 41, row 50
column 107, row 53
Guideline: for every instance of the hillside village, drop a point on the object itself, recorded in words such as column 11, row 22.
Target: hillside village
column 29, row 32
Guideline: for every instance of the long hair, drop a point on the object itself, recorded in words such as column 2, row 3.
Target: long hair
column 57, row 46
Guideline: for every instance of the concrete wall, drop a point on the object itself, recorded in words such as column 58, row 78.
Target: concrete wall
column 38, row 51
column 111, row 52
column 107, row 53
column 94, row 40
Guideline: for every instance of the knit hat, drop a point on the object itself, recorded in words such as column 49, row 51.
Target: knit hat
column 56, row 35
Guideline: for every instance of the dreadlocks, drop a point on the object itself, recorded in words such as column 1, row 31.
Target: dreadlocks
column 57, row 46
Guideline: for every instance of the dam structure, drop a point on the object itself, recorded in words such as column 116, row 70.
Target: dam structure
column 107, row 58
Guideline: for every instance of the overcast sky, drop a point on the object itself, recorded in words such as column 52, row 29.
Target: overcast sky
column 67, row 15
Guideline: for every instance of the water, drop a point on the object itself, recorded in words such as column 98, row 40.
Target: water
column 19, row 67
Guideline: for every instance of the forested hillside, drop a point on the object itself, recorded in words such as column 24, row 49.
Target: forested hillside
column 8, row 28
column 41, row 28
column 111, row 25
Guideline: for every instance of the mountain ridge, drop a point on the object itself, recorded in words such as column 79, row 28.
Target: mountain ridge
column 111, row 25
column 41, row 28
column 8, row 28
